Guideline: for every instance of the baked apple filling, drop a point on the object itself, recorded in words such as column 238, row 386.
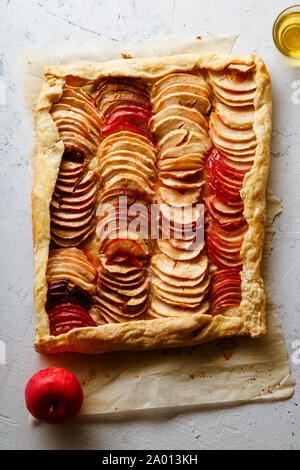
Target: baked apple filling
column 127, row 176
column 182, row 144
column 72, row 207
column 71, row 284
column 231, row 130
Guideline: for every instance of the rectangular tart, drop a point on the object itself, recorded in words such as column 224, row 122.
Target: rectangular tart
column 187, row 135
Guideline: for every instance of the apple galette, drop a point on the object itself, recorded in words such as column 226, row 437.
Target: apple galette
column 149, row 202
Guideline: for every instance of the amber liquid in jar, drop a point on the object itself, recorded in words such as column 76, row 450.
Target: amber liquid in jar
column 287, row 33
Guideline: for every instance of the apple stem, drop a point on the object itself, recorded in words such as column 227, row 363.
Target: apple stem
column 51, row 410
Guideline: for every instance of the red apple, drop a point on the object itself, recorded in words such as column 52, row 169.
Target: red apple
column 53, row 395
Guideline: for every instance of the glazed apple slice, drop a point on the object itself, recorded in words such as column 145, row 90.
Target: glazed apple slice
column 217, row 179
column 179, row 78
column 121, row 256
column 224, row 273
column 65, row 317
column 124, row 126
column 179, row 198
column 222, row 262
column 160, row 127
column 231, row 182
column 126, row 245
column 182, row 98
column 61, row 315
column 225, row 209
column 233, row 297
column 227, row 253
column 183, row 111
column 227, row 133
column 233, row 80
column 230, row 222
column 231, row 285
column 128, row 136
column 110, row 105
column 236, row 169
column 137, row 118
column 224, row 192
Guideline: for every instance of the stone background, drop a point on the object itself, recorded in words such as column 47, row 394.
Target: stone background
column 53, row 23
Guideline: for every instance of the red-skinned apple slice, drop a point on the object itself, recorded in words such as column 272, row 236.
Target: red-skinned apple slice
column 124, row 126
column 227, row 223
column 125, row 245
column 119, row 110
column 230, row 294
column 225, row 272
column 231, row 182
column 221, row 262
column 111, row 105
column 230, row 284
column 235, row 168
column 229, row 253
column 137, row 118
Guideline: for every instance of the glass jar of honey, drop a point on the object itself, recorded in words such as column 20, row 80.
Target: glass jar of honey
column 286, row 32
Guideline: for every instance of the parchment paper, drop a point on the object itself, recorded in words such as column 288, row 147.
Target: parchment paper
column 227, row 371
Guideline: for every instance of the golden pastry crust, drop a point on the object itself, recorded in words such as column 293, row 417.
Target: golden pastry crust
column 159, row 333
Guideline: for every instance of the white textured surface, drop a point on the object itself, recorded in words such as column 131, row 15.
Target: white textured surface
column 47, row 22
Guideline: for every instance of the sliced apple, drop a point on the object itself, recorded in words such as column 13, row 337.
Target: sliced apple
column 126, row 245
column 77, row 120
column 132, row 181
column 137, row 138
column 182, row 98
column 119, row 110
column 177, row 253
column 227, row 133
column 137, row 118
column 180, row 269
column 110, row 105
column 179, row 78
column 236, row 118
column 183, row 111
column 176, row 198
column 233, row 80
column 175, row 183
column 160, row 127
column 162, row 309
column 124, row 126
column 187, row 291
column 229, row 95
column 65, row 317
column 129, row 145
